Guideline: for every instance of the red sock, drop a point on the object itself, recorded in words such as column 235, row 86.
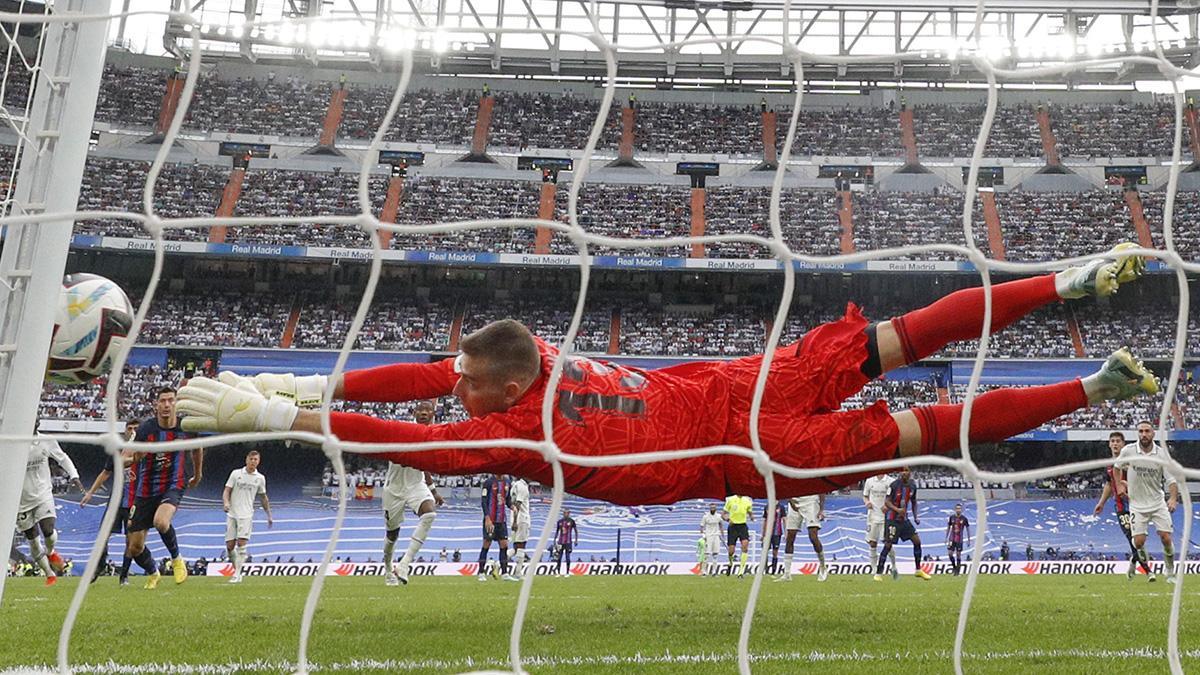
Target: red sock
column 997, row 415
column 959, row 316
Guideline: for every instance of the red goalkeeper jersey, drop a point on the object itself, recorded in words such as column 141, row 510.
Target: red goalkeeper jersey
column 605, row 409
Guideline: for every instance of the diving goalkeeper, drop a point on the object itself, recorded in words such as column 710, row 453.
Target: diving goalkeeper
column 604, row 409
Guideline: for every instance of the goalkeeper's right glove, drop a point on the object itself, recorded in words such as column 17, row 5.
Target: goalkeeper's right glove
column 211, row 405
column 307, row 391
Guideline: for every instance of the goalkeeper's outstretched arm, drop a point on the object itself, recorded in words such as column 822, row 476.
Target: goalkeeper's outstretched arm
column 394, row 383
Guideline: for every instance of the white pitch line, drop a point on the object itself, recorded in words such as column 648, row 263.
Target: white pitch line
column 667, row 658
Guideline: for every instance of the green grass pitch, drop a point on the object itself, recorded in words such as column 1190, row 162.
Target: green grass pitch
column 1058, row 624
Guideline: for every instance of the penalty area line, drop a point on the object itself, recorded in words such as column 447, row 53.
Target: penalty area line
column 639, row 659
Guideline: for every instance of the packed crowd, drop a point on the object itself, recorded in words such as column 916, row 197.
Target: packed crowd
column 1052, row 225
column 548, row 318
column 1185, row 222
column 86, row 401
column 390, row 324
column 183, row 190
column 295, row 106
column 692, row 331
column 892, row 219
column 1035, row 225
column 274, row 193
column 215, row 319
column 808, row 219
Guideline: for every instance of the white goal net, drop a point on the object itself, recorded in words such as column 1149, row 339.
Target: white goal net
column 23, row 64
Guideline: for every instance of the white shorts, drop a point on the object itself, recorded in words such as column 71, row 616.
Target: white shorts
column 238, row 528
column 712, row 543
column 1160, row 517
column 808, row 515
column 520, row 531
column 394, row 506
column 30, row 518
column 875, row 530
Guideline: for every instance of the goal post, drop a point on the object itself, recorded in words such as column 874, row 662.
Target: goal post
column 55, row 146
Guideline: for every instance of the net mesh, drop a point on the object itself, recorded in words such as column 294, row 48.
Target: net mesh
column 365, row 220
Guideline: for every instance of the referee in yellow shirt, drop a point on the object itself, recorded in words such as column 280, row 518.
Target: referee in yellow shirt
column 738, row 511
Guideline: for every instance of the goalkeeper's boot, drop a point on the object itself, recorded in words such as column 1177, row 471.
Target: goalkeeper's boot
column 922, row 574
column 152, row 581
column 1100, row 277
column 1121, row 377
column 179, row 570
column 401, row 571
column 877, row 577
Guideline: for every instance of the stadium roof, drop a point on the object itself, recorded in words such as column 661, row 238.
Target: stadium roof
column 740, row 41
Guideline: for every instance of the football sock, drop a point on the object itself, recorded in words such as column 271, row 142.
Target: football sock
column 892, row 557
column 821, row 557
column 504, row 560
column 874, row 557
column 1134, row 558
column 171, row 542
column 126, row 561
column 519, row 561
column 774, row 557
column 959, row 316
column 419, row 533
column 997, row 415
column 51, row 541
column 482, row 560
column 1143, row 558
column 146, row 561
column 389, row 551
column 917, row 555
column 39, row 556
column 1169, row 559
column 240, row 560
column 887, row 550
column 742, row 563
column 787, row 564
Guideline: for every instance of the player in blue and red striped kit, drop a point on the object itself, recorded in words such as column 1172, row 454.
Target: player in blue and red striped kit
column 158, row 484
column 119, row 523
column 1114, row 485
column 897, row 526
column 495, row 522
column 958, row 529
column 566, row 538
column 777, row 530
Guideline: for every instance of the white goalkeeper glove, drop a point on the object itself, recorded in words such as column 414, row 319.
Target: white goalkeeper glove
column 306, row 390
column 231, row 406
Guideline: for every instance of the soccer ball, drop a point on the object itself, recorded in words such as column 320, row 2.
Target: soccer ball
column 91, row 324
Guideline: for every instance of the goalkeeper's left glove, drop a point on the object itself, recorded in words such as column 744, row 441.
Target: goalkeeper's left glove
column 212, row 405
column 306, row 390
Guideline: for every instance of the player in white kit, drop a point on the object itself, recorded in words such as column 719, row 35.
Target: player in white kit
column 875, row 491
column 710, row 529
column 36, row 511
column 807, row 511
column 1146, row 503
column 240, row 490
column 407, row 489
column 518, row 503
